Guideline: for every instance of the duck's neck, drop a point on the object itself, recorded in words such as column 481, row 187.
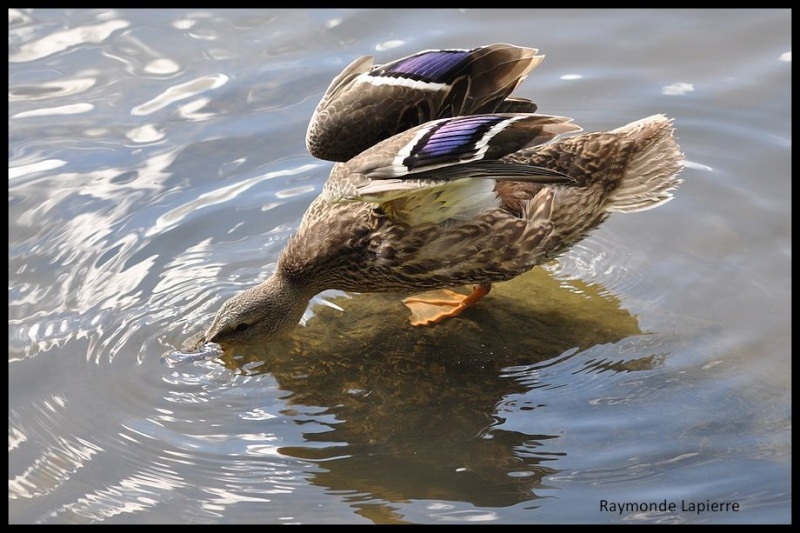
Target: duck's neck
column 288, row 296
column 328, row 247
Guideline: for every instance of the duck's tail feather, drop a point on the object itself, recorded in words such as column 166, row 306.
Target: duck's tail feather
column 652, row 172
column 492, row 73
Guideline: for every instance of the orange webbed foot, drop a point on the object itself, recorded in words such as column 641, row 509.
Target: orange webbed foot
column 434, row 306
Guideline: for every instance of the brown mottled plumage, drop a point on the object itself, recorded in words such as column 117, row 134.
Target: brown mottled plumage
column 432, row 203
column 356, row 246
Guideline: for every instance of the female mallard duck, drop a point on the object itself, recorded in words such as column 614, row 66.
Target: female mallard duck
column 368, row 103
column 456, row 201
column 444, row 180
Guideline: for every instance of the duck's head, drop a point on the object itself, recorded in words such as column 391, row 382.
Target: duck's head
column 258, row 315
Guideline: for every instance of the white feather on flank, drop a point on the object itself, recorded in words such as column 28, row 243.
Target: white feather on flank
column 456, row 200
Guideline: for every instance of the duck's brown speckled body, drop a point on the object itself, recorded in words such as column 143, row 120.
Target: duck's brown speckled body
column 467, row 200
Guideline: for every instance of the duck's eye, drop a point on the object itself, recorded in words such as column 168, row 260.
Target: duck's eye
column 242, row 327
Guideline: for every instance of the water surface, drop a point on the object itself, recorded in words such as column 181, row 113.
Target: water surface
column 157, row 166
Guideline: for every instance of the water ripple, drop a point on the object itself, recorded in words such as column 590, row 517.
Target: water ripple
column 63, row 40
column 69, row 109
column 226, row 194
column 49, row 90
column 136, row 493
column 180, row 92
column 607, row 261
column 60, row 456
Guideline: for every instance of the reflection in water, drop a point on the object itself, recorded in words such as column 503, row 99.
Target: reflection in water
column 416, row 409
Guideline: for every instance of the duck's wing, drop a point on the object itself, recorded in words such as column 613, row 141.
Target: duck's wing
column 446, row 169
column 516, row 105
column 368, row 103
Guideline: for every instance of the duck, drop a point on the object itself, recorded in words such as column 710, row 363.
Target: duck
column 478, row 196
column 471, row 200
column 368, row 103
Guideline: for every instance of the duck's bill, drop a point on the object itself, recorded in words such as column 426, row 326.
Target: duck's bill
column 206, row 352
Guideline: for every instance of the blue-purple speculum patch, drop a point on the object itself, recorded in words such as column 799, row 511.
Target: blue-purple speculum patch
column 437, row 66
column 450, row 140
